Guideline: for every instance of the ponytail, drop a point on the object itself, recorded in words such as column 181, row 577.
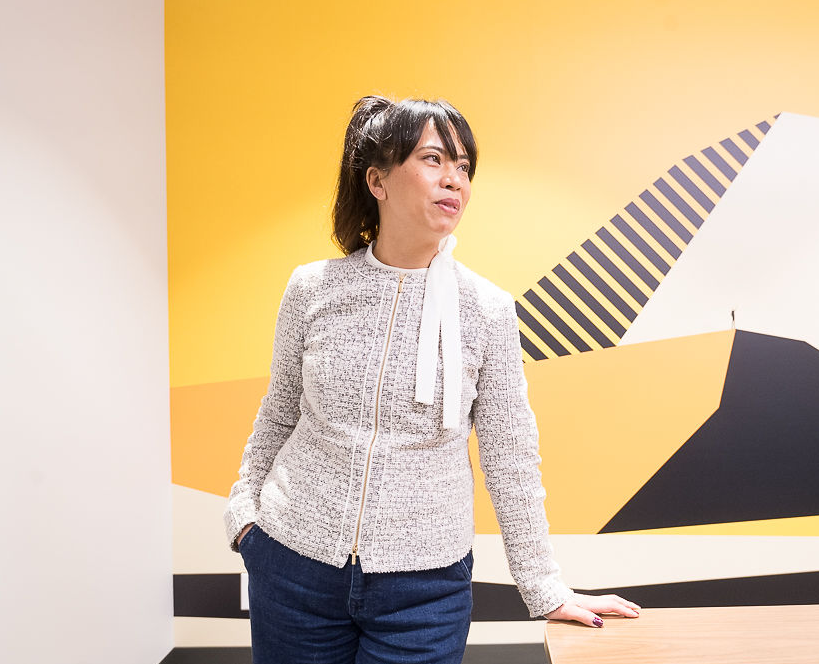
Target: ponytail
column 355, row 212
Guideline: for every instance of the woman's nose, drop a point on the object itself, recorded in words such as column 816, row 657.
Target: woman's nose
column 450, row 177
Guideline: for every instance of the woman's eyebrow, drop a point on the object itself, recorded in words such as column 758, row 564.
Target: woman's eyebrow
column 441, row 150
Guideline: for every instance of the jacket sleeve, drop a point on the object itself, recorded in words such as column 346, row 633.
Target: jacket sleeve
column 509, row 456
column 278, row 414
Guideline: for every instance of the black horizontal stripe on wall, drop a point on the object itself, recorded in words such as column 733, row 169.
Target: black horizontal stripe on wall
column 494, row 602
column 208, row 656
column 653, row 230
column 540, row 331
column 603, row 261
column 529, row 347
column 769, row 590
column 640, row 244
column 605, row 290
column 663, row 213
column 678, row 202
column 624, row 255
column 507, row 653
column 497, row 601
column 714, row 157
column 575, row 313
column 219, row 596
column 734, row 150
column 693, row 190
column 208, row 595
column 705, row 175
column 599, row 310
column 561, row 325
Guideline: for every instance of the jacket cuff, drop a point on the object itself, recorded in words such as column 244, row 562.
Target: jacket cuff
column 546, row 598
column 234, row 523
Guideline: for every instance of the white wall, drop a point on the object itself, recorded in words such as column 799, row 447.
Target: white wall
column 85, row 492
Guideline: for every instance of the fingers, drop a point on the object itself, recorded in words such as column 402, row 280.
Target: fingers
column 617, row 598
column 584, row 609
column 622, row 606
column 571, row 611
column 618, row 605
column 609, row 604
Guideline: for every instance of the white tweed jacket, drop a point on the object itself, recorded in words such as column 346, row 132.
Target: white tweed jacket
column 342, row 459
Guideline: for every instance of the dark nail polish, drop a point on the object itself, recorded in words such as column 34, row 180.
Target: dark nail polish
column 598, row 622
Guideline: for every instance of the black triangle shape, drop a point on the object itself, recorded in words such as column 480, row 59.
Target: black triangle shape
column 756, row 457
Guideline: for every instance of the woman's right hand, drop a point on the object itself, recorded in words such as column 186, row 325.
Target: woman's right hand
column 243, row 533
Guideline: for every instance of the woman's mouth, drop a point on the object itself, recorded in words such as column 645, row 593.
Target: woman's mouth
column 449, row 205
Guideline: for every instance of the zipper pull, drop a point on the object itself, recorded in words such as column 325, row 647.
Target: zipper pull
column 401, row 281
column 355, row 552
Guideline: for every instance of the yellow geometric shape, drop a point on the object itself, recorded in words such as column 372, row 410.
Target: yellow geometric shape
column 609, row 419
column 210, row 425
column 798, row 526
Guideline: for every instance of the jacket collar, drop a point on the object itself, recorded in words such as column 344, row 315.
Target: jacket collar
column 369, row 257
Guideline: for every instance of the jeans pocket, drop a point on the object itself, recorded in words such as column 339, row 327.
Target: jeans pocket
column 243, row 542
column 465, row 566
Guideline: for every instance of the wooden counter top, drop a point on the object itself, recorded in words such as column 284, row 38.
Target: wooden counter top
column 746, row 634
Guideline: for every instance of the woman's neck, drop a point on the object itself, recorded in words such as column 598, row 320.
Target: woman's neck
column 403, row 253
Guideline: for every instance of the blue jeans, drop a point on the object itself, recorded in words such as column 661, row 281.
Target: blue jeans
column 303, row 610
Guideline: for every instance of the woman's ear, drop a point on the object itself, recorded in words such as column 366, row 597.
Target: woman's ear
column 374, row 177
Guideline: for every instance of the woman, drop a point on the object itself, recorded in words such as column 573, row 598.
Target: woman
column 354, row 507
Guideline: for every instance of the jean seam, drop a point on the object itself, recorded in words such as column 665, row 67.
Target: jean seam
column 466, row 572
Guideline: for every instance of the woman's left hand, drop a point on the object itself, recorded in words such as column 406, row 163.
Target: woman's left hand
column 584, row 609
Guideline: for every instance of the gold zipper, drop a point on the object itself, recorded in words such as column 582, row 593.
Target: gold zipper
column 375, row 431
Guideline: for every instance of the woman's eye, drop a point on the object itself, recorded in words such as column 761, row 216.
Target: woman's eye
column 465, row 167
column 434, row 156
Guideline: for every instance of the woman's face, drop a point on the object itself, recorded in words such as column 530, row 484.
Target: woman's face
column 426, row 195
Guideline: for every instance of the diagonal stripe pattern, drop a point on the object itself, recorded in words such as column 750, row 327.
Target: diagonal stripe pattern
column 590, row 298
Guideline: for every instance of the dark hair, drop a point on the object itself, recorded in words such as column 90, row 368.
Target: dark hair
column 383, row 133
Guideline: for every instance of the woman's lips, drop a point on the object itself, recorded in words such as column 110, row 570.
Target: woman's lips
column 449, row 206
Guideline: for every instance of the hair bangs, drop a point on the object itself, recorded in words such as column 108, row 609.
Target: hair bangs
column 410, row 117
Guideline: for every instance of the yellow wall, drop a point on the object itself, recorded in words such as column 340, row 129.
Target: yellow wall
column 576, row 108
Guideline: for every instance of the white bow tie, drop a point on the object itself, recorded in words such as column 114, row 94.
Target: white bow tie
column 441, row 312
